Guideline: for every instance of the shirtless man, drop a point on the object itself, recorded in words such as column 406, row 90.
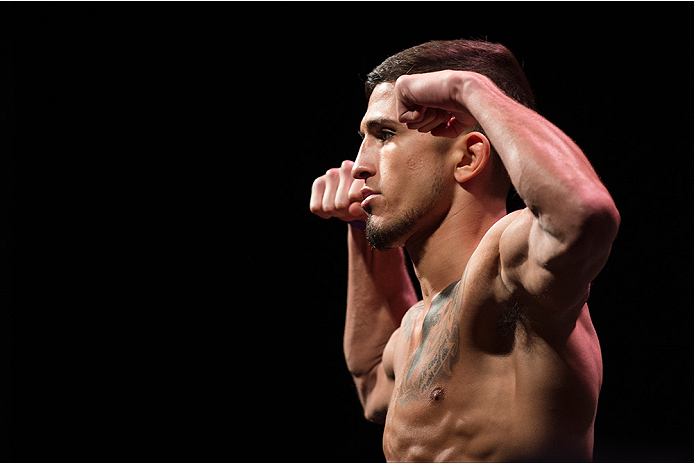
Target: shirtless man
column 500, row 360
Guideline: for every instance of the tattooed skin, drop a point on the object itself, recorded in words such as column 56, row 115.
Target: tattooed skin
column 438, row 351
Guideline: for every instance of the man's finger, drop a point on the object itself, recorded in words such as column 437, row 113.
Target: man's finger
column 331, row 177
column 435, row 118
column 316, row 204
column 357, row 212
column 407, row 110
column 428, row 115
column 346, row 180
column 355, row 191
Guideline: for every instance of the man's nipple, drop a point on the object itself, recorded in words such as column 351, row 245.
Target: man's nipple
column 437, row 394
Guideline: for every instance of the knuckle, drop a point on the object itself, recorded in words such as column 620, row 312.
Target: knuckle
column 355, row 196
column 341, row 203
column 317, row 210
column 328, row 207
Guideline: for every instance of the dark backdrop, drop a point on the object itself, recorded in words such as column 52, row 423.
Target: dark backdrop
column 170, row 296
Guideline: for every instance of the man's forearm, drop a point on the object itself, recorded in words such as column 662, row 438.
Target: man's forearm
column 549, row 171
column 379, row 292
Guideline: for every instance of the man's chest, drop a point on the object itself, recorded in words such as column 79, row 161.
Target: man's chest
column 449, row 342
column 429, row 347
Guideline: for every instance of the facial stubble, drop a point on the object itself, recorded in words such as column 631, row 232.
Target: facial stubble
column 389, row 234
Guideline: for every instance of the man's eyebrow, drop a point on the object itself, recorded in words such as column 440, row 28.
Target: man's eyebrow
column 378, row 121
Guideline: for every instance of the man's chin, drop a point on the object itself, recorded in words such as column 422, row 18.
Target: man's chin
column 383, row 235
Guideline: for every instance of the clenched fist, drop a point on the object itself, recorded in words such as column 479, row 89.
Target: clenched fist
column 432, row 102
column 337, row 194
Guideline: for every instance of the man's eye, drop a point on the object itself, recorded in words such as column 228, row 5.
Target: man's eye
column 384, row 134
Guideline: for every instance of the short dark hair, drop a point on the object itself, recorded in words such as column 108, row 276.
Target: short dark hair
column 489, row 59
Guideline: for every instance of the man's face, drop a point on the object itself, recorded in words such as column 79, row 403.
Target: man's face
column 405, row 171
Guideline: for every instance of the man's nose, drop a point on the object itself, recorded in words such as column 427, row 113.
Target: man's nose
column 364, row 166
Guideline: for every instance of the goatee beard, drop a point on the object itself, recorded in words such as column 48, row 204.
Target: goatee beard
column 390, row 235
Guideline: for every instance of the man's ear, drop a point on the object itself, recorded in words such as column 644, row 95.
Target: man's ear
column 473, row 154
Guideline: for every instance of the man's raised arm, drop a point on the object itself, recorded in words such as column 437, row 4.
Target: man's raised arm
column 562, row 240
column 379, row 291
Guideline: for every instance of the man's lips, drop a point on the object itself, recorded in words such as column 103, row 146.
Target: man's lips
column 367, row 195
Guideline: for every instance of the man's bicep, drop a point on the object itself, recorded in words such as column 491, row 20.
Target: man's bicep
column 538, row 266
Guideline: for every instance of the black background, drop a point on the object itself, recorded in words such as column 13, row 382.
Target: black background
column 168, row 295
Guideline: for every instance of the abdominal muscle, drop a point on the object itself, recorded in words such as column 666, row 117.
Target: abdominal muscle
column 524, row 405
column 452, row 422
column 449, row 402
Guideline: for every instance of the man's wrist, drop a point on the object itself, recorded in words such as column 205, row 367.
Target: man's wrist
column 360, row 224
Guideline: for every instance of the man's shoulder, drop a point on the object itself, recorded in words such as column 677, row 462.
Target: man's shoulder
column 484, row 262
column 505, row 223
column 484, row 283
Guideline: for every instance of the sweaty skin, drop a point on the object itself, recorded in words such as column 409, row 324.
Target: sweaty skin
column 500, row 360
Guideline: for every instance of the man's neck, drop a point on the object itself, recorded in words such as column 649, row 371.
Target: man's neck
column 440, row 257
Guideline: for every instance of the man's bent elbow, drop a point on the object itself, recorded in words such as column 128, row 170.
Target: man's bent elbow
column 375, row 415
column 374, row 394
column 374, row 409
column 603, row 219
column 587, row 246
column 592, row 245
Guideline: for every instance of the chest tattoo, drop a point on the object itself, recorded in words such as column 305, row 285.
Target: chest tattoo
column 436, row 355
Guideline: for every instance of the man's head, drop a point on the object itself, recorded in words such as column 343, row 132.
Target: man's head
column 415, row 176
